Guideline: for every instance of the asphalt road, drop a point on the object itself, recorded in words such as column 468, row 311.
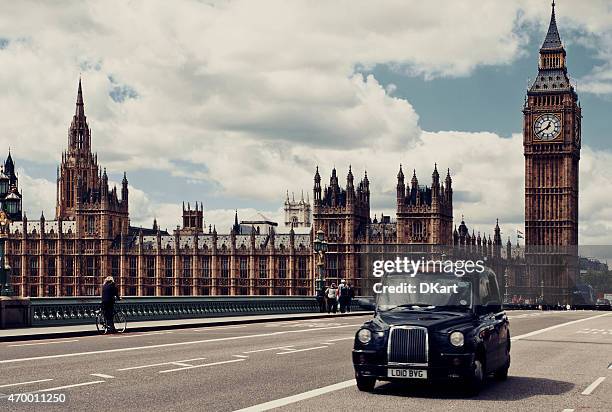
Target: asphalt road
column 558, row 362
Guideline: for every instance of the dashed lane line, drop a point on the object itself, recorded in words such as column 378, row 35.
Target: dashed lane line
column 589, row 390
column 213, row 328
column 202, row 366
column 288, row 347
column 159, row 364
column 57, row 388
column 43, row 343
column 102, row 375
column 537, row 332
column 339, row 339
column 24, row 383
column 136, row 335
column 299, row 397
column 301, row 350
column 240, row 356
column 168, row 345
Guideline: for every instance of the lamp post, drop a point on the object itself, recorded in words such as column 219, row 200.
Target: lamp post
column 5, row 269
column 320, row 248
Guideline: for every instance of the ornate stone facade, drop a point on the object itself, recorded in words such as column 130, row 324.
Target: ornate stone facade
column 10, row 197
column 297, row 213
column 552, row 142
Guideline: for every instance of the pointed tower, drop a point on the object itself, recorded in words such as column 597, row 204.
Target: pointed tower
column 401, row 186
column 552, row 142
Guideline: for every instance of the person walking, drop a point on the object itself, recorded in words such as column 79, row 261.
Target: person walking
column 109, row 293
column 343, row 296
column 332, row 302
column 350, row 297
column 321, row 300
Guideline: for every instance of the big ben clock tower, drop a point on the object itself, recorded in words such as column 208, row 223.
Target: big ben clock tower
column 551, row 141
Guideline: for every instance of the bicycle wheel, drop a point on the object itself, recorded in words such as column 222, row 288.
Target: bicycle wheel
column 120, row 322
column 100, row 323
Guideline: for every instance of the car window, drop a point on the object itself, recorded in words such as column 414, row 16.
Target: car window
column 493, row 289
column 483, row 289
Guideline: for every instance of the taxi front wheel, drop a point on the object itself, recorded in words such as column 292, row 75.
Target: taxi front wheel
column 476, row 381
column 365, row 384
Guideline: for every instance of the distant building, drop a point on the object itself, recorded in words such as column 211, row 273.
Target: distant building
column 297, row 214
column 91, row 238
column 10, row 198
column 258, row 224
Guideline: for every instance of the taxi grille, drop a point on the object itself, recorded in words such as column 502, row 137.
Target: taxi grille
column 408, row 345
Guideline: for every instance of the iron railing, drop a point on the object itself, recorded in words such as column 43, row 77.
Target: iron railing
column 82, row 310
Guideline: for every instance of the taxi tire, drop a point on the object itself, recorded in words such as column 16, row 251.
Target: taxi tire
column 502, row 373
column 476, row 381
column 365, row 384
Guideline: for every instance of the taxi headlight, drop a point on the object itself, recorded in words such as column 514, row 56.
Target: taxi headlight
column 364, row 336
column 456, row 339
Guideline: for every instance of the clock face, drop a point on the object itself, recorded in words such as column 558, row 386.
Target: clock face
column 547, row 127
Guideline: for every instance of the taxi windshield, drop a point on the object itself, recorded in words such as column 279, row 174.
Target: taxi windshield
column 425, row 291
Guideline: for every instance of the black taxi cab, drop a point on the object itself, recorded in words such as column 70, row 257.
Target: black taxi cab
column 434, row 326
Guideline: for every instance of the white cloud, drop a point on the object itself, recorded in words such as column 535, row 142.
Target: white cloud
column 258, row 93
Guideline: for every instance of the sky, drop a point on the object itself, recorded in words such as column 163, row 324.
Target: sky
column 232, row 103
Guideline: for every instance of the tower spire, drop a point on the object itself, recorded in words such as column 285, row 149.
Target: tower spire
column 80, row 107
column 552, row 40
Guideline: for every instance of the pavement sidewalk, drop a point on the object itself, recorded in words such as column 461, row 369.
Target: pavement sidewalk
column 18, row 334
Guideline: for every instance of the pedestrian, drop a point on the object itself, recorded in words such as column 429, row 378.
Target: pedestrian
column 351, row 297
column 332, row 302
column 321, row 300
column 109, row 293
column 343, row 296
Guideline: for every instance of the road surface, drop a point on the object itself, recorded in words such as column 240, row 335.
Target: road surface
column 560, row 361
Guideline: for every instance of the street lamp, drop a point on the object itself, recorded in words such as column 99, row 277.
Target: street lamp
column 320, row 247
column 5, row 269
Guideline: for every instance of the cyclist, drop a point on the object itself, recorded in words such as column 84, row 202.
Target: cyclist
column 109, row 293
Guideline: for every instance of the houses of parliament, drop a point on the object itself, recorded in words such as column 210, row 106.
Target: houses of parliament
column 91, row 237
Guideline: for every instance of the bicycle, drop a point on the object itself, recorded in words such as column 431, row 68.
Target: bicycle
column 119, row 319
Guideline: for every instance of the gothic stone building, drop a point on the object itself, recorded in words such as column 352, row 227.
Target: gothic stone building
column 91, row 238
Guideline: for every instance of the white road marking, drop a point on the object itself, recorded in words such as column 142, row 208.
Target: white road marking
column 101, row 375
column 60, row 388
column 202, row 366
column 240, row 356
column 158, row 364
column 299, row 397
column 218, row 327
column 339, row 339
column 537, row 332
column 135, row 335
column 610, row 366
column 24, row 383
column 43, row 343
column 288, row 347
column 180, row 364
column 167, row 345
column 589, row 390
column 567, row 410
column 301, row 350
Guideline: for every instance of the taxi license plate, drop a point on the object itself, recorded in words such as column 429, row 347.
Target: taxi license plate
column 407, row 373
